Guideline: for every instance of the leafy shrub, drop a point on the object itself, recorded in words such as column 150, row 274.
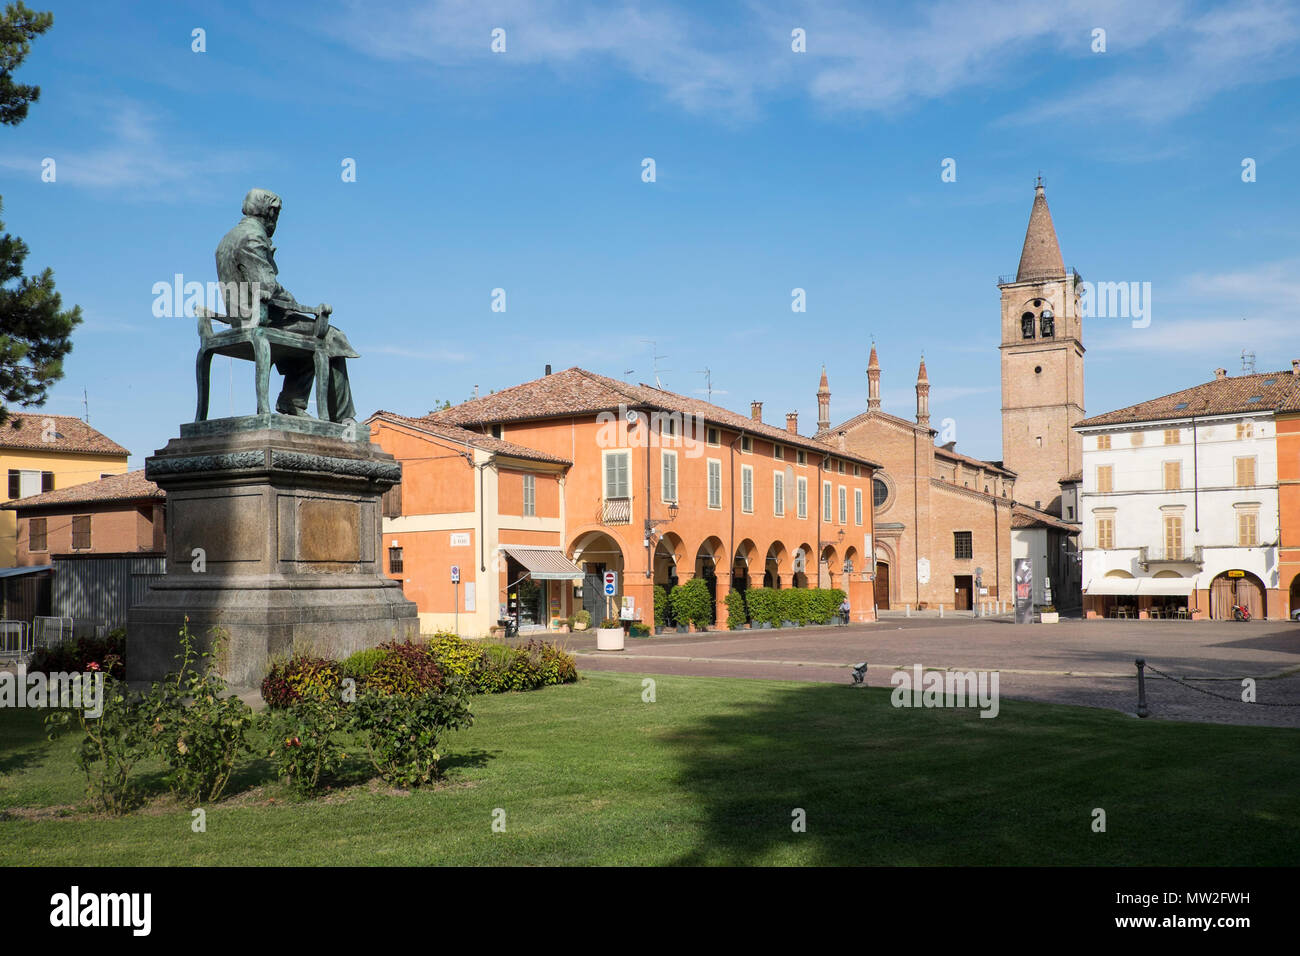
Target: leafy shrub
column 763, row 607
column 292, row 680
column 736, row 612
column 112, row 744
column 583, row 617
column 640, row 630
column 491, row 669
column 611, row 622
column 360, row 665
column 793, row 603
column 307, row 740
column 554, row 665
column 402, row 732
column 691, row 602
column 108, row 654
column 194, row 724
column 824, row 604
column 453, row 654
column 407, row 668
column 661, row 606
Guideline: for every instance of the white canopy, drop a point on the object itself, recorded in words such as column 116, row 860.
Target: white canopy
column 1168, row 587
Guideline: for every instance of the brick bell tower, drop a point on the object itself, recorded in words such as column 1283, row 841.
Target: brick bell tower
column 1042, row 365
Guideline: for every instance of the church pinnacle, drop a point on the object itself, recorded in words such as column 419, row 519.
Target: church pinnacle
column 1041, row 256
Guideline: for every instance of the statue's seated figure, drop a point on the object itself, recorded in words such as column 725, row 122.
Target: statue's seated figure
column 249, row 280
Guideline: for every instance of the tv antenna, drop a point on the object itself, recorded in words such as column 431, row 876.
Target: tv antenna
column 654, row 361
column 85, row 404
column 1247, row 362
column 708, row 381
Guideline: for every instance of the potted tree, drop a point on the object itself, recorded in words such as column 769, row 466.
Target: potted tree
column 692, row 604
column 662, row 610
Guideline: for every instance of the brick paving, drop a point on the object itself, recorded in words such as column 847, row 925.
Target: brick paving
column 1088, row 663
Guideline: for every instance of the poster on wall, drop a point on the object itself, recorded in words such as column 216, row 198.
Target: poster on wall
column 1024, row 591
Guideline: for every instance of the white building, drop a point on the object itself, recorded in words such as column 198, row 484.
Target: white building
column 1179, row 501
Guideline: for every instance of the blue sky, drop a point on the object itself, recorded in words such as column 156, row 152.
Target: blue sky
column 775, row 170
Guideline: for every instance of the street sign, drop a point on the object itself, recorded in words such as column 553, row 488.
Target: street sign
column 455, row 574
column 611, row 583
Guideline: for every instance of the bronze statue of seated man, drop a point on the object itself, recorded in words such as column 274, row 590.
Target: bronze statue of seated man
column 248, row 274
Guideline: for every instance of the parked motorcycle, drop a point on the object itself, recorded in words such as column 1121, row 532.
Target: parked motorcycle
column 1240, row 612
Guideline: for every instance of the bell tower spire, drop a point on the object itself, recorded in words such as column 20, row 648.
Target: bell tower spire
column 1042, row 364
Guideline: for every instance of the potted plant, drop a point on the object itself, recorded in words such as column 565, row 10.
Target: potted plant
column 639, row 630
column 692, row 604
column 1048, row 615
column 582, row 620
column 609, row 636
column 737, row 616
column 662, row 610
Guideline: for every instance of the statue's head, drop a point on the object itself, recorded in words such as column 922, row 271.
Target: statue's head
column 264, row 205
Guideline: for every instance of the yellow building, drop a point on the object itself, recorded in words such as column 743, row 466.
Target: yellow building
column 40, row 453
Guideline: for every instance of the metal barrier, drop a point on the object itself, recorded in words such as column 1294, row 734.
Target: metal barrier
column 51, row 631
column 15, row 638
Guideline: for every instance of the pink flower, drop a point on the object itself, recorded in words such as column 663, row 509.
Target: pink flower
column 92, row 666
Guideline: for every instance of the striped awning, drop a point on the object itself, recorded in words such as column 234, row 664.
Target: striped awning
column 544, row 564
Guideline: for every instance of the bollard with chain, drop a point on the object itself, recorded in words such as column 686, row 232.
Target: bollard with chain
column 1142, row 688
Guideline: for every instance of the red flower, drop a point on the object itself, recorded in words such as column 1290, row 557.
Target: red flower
column 92, row 666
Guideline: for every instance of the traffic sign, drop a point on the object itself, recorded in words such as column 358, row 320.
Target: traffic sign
column 611, row 583
column 455, row 574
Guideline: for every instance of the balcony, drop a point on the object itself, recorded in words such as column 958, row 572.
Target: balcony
column 1149, row 556
column 615, row 511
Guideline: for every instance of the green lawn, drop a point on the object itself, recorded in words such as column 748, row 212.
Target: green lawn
column 709, row 774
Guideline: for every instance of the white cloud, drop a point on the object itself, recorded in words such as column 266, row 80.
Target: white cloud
column 1163, row 59
column 139, row 156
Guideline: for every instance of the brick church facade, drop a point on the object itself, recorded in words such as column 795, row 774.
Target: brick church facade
column 947, row 524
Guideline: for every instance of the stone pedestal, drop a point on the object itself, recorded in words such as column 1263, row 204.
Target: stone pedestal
column 273, row 535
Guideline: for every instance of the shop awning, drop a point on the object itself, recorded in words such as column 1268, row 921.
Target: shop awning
column 1112, row 586
column 544, row 564
column 1175, row 587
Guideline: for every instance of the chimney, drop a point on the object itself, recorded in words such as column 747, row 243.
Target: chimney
column 792, row 422
column 548, row 370
column 1295, row 367
column 1220, row 374
column 756, row 411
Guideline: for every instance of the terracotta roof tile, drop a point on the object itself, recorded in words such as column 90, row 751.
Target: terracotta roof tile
column 576, row 391
column 470, row 437
column 132, row 486
column 1023, row 516
column 25, row 429
column 1261, row 391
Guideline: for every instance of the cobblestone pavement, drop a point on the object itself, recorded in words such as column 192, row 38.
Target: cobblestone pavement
column 1088, row 663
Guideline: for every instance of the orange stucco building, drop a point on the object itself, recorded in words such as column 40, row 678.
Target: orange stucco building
column 540, row 489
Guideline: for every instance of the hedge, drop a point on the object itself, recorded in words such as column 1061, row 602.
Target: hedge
column 797, row 605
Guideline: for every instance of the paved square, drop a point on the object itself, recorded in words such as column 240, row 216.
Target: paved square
column 1089, row 663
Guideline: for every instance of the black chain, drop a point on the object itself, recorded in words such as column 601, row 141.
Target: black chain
column 1202, row 690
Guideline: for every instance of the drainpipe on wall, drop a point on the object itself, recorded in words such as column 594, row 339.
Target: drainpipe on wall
column 649, row 555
